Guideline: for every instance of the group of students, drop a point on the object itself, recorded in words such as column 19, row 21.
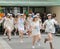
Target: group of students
column 31, row 26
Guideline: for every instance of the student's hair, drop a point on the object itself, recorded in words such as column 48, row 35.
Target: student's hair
column 34, row 18
column 8, row 16
column 54, row 15
column 48, row 16
column 16, row 16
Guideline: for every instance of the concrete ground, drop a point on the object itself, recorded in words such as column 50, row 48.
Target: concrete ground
column 27, row 44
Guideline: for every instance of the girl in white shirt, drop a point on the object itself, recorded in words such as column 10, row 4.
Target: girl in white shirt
column 4, row 25
column 49, row 28
column 35, row 31
column 29, row 19
column 21, row 21
column 9, row 26
column 16, row 24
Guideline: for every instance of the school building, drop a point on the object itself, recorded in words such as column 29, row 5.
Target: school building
column 16, row 6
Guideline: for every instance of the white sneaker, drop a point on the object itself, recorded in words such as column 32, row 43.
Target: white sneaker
column 15, row 34
column 33, row 47
column 21, row 41
column 39, row 45
column 4, row 34
column 27, row 33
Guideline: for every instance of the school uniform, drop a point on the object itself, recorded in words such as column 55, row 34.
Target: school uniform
column 9, row 24
column 20, row 24
column 35, row 28
column 29, row 20
column 16, row 24
column 49, row 24
column 5, row 22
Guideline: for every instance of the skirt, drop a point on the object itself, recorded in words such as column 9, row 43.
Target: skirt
column 52, row 30
column 10, row 27
column 15, row 26
column 21, row 28
column 35, row 32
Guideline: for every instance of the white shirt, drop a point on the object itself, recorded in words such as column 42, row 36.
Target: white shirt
column 29, row 19
column 50, row 25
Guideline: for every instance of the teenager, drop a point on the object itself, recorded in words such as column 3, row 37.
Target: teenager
column 21, row 21
column 35, row 27
column 9, row 26
column 16, row 24
column 49, row 28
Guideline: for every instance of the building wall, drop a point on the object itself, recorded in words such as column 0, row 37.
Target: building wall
column 54, row 9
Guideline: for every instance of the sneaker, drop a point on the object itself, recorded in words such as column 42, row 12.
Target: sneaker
column 33, row 47
column 21, row 41
column 9, row 39
column 15, row 34
column 45, row 40
column 39, row 45
column 4, row 34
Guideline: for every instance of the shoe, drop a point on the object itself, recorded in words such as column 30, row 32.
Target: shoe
column 4, row 34
column 15, row 34
column 45, row 40
column 52, row 48
column 33, row 47
column 39, row 45
column 21, row 41
column 9, row 39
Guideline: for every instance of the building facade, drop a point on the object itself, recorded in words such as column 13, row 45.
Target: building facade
column 41, row 6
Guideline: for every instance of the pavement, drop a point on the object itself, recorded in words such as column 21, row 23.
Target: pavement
column 27, row 44
column 1, row 47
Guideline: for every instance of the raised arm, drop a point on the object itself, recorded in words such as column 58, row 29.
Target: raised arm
column 1, row 20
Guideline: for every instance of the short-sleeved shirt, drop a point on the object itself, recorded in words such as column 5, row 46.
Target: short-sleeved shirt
column 50, row 25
